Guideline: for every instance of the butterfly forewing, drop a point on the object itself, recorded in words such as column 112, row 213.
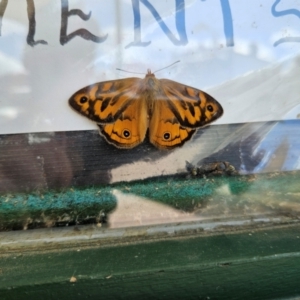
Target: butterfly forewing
column 192, row 107
column 104, row 102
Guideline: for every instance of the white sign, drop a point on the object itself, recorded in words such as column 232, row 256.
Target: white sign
column 244, row 53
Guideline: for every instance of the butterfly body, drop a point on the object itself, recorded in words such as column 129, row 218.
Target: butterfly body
column 126, row 109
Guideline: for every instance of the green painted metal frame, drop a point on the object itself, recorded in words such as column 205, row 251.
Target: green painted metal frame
column 249, row 264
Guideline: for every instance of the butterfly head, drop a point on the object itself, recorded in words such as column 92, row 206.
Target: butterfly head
column 149, row 73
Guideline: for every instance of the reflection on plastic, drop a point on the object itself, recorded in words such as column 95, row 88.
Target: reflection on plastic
column 44, row 161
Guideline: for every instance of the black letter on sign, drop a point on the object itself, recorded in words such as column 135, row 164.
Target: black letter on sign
column 85, row 34
column 31, row 30
column 3, row 5
column 179, row 19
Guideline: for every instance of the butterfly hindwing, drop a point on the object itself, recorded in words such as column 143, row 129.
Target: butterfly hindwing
column 165, row 132
column 130, row 128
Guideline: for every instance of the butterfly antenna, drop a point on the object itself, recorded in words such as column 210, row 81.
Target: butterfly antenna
column 167, row 66
column 130, row 71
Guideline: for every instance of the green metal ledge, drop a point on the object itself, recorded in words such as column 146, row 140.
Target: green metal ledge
column 260, row 263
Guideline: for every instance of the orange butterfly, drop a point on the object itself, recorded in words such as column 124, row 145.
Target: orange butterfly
column 125, row 109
